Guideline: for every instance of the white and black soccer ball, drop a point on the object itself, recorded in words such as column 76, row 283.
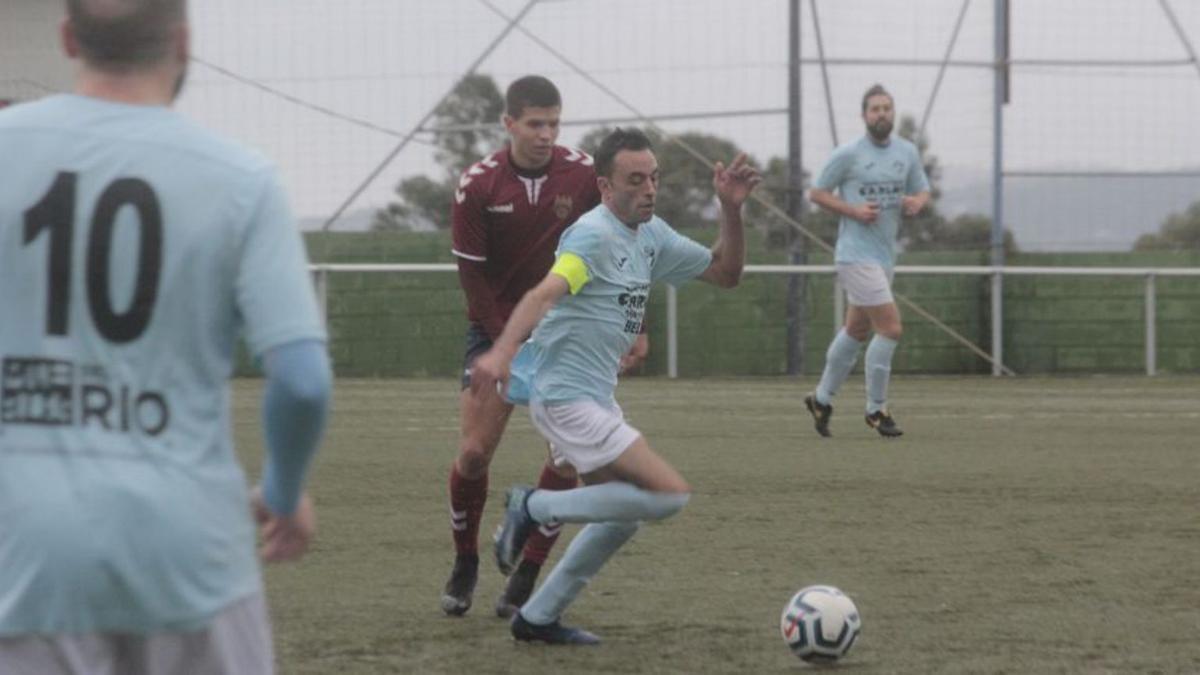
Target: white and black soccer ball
column 820, row 624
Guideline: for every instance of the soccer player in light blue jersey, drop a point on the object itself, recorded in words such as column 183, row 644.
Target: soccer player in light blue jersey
column 876, row 178
column 587, row 312
column 134, row 248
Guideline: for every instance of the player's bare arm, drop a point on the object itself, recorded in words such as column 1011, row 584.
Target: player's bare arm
column 913, row 204
column 479, row 295
column 636, row 355
column 864, row 213
column 733, row 185
column 493, row 366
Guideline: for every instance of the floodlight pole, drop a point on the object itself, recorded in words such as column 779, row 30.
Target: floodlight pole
column 797, row 289
column 999, row 98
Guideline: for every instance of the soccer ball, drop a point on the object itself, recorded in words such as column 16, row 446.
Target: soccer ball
column 820, row 624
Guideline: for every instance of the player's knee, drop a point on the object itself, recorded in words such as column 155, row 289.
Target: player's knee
column 893, row 332
column 858, row 331
column 474, row 459
column 564, row 471
column 666, row 504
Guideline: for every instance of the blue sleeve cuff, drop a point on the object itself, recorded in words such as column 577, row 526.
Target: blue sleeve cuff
column 295, row 407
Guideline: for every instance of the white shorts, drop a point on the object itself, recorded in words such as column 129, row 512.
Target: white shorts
column 866, row 285
column 583, row 433
column 237, row 642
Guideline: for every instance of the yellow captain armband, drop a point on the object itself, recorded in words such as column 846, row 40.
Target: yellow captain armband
column 572, row 268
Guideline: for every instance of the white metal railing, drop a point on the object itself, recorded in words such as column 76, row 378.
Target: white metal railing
column 322, row 271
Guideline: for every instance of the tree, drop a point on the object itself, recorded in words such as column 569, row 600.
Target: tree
column 685, row 194
column 776, row 188
column 469, row 117
column 930, row 230
column 1179, row 232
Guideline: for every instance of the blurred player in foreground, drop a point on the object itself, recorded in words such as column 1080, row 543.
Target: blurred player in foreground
column 134, row 248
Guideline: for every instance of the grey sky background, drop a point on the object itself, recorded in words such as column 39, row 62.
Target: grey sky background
column 387, row 62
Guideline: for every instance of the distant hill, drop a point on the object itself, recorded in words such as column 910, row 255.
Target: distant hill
column 1077, row 214
column 1045, row 214
column 352, row 221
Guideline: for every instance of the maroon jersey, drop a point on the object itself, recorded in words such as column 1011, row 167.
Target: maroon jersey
column 509, row 220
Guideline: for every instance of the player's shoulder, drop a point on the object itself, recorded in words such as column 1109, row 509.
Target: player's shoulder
column 657, row 229
column 487, row 165
column 904, row 145
column 594, row 219
column 19, row 114
column 593, row 226
column 134, row 126
column 191, row 138
column 481, row 175
column 573, row 159
column 847, row 152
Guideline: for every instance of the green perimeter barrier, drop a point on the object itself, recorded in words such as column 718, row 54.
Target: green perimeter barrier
column 412, row 324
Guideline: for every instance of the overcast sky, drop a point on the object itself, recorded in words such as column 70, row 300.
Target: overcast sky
column 387, row 62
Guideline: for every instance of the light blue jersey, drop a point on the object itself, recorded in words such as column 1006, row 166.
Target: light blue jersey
column 861, row 172
column 134, row 247
column 576, row 349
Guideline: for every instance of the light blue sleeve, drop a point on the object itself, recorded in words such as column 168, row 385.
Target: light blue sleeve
column 295, row 405
column 677, row 258
column 836, row 169
column 275, row 294
column 585, row 240
column 917, row 180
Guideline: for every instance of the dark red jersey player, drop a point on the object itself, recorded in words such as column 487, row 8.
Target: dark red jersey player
column 506, row 222
column 509, row 210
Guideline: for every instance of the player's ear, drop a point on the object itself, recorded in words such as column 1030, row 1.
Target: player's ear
column 66, row 34
column 183, row 42
column 509, row 122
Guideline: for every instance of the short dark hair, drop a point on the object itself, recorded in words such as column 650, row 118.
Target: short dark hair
column 531, row 91
column 620, row 139
column 124, row 34
column 875, row 90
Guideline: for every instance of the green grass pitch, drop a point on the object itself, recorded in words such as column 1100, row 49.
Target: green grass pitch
column 1020, row 526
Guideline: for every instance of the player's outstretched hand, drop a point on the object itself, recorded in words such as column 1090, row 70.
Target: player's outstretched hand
column 284, row 537
column 735, row 182
column 490, row 373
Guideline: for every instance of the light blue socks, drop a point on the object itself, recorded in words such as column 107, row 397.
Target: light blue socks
column 839, row 361
column 588, row 552
column 599, row 503
column 879, row 371
column 614, row 511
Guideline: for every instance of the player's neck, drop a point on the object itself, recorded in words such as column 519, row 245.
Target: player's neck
column 633, row 227
column 525, row 166
column 881, row 143
column 153, row 88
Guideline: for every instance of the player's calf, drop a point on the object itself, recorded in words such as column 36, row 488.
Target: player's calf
column 518, row 588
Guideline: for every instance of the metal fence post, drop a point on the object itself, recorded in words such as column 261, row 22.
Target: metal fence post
column 321, row 286
column 839, row 305
column 997, row 322
column 1151, row 326
column 672, row 332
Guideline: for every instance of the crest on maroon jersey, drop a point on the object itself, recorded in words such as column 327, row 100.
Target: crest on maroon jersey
column 562, row 206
